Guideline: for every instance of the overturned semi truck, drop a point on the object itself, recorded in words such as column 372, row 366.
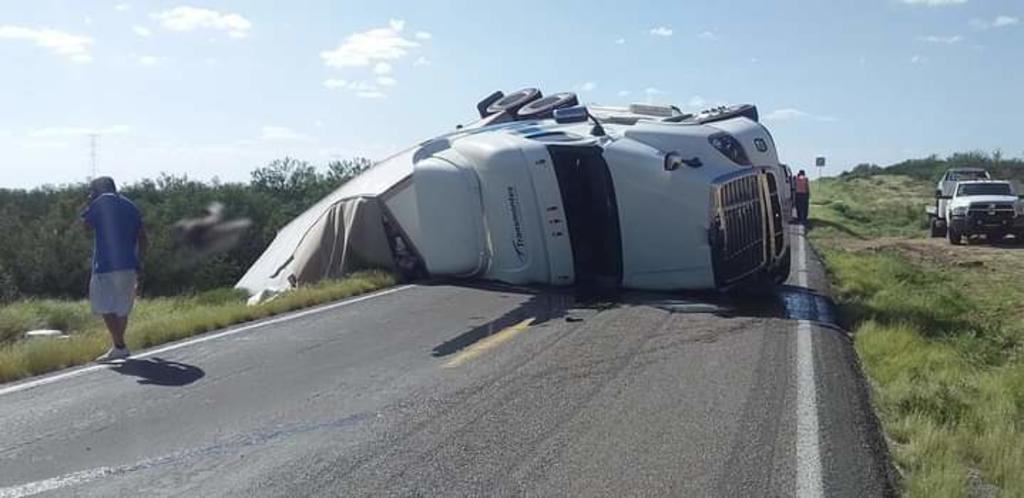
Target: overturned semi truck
column 542, row 190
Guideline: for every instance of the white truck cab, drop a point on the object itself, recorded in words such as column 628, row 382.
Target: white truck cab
column 944, row 191
column 542, row 190
column 984, row 207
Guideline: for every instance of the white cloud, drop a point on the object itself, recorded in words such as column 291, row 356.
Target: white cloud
column 1001, row 21
column 918, row 59
column 74, row 47
column 386, row 81
column 790, row 114
column 335, row 83
column 45, row 144
column 121, row 7
column 947, row 40
column 151, row 60
column 707, row 35
column 661, row 31
column 382, row 68
column 620, row 41
column 421, row 61
column 79, row 131
column 623, row 93
column 361, row 89
column 423, row 35
column 283, row 134
column 87, row 20
column 651, row 92
column 186, row 18
column 697, row 101
column 934, row 3
column 367, row 47
column 141, row 31
column 587, row 87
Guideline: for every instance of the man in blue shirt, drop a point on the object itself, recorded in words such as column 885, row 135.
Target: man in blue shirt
column 118, row 239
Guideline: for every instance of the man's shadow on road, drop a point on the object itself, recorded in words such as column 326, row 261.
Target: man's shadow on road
column 159, row 372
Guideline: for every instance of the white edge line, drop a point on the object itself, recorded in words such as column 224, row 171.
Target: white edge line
column 801, row 260
column 809, row 481
column 808, row 453
column 217, row 335
column 54, row 483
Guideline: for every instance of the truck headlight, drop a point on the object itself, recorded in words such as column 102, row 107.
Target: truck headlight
column 960, row 211
column 730, row 147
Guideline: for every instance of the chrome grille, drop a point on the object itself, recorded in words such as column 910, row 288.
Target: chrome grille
column 738, row 239
column 991, row 211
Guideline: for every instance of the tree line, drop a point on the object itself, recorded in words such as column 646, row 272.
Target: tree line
column 46, row 252
column 931, row 168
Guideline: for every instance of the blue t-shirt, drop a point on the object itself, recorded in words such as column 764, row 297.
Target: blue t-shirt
column 116, row 222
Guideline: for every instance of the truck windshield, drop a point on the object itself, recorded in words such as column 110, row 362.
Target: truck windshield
column 984, row 189
column 959, row 176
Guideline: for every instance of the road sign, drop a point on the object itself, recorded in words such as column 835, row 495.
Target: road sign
column 820, row 161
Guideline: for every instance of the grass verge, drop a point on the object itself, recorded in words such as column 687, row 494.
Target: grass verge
column 154, row 321
column 939, row 332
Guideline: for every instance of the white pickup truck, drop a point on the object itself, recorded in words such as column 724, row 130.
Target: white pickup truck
column 984, row 207
column 944, row 191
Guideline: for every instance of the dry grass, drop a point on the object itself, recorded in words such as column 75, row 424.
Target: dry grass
column 155, row 321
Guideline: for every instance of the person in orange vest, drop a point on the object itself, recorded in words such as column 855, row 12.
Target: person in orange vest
column 803, row 197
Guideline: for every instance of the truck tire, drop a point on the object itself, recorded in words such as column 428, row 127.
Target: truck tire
column 512, row 102
column 544, row 108
column 938, row 230
column 955, row 237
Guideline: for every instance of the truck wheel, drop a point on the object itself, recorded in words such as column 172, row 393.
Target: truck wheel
column 955, row 237
column 938, row 230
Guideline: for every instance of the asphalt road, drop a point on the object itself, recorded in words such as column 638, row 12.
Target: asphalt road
column 455, row 391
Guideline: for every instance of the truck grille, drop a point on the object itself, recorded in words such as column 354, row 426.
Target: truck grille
column 738, row 235
column 987, row 212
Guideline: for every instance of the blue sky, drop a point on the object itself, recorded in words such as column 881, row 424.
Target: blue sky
column 217, row 88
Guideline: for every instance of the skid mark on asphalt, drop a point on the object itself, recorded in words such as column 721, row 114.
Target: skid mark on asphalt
column 488, row 343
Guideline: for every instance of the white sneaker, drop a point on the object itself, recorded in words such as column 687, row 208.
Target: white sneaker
column 114, row 354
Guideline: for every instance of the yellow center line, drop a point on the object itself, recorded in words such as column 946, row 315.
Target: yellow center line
column 490, row 342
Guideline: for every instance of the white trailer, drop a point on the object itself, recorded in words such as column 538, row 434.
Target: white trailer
column 543, row 191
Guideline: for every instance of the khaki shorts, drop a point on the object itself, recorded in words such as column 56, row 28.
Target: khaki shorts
column 112, row 293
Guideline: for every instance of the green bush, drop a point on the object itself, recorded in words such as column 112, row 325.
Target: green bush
column 46, row 249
